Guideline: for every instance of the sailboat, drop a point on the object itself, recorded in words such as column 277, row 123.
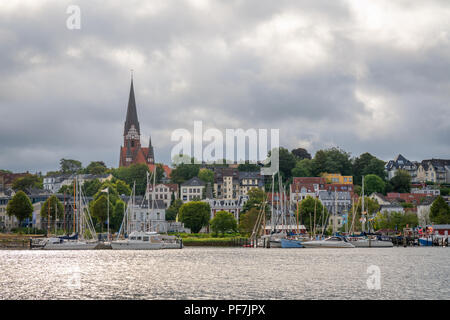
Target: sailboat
column 83, row 225
column 142, row 239
column 367, row 240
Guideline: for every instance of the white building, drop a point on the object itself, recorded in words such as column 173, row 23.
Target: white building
column 192, row 189
column 164, row 192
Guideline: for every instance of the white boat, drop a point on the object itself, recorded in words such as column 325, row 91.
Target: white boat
column 63, row 244
column 370, row 242
column 331, row 242
column 83, row 225
column 141, row 240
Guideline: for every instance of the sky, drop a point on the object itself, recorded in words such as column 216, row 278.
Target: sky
column 362, row 75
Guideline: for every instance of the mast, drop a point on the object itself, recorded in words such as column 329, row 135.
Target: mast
column 335, row 212
column 363, row 225
column 271, row 211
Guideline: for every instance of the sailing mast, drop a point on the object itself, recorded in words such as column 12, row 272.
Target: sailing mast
column 363, row 227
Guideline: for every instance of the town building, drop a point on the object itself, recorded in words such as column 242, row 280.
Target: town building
column 434, row 170
column 165, row 192
column 54, row 183
column 234, row 206
column 303, row 187
column 401, row 163
column 230, row 184
column 193, row 189
column 337, row 178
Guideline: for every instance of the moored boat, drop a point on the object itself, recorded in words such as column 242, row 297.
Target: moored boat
column 141, row 240
column 331, row 242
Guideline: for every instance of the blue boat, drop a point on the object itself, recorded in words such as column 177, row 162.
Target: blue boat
column 425, row 241
column 291, row 243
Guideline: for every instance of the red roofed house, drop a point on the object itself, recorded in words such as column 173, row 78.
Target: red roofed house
column 132, row 152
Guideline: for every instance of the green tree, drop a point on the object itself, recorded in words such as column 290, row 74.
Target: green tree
column 70, row 166
column 122, row 188
column 53, row 207
column 287, row 162
column 117, row 215
column 440, row 211
column 367, row 164
column 256, row 197
column 247, row 221
column 195, row 215
column 183, row 172
column 96, row 168
column 333, row 160
column 20, row 207
column 301, row 154
column 373, row 183
column 91, row 187
column 223, row 222
column 99, row 209
column 248, row 167
column 303, row 168
column 27, row 182
column 206, row 175
column 306, row 212
column 172, row 211
column 401, row 182
column 134, row 173
column 68, row 190
column 371, row 207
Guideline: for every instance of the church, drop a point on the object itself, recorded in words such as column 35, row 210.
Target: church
column 132, row 152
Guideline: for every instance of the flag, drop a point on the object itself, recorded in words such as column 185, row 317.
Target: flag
column 104, row 190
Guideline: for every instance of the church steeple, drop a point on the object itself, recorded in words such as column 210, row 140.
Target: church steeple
column 150, row 155
column 132, row 118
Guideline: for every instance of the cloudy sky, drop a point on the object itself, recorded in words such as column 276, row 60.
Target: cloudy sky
column 362, row 75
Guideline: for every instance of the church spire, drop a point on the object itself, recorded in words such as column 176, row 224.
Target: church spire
column 150, row 155
column 132, row 118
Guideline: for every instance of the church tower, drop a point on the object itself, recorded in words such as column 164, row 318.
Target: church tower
column 131, row 152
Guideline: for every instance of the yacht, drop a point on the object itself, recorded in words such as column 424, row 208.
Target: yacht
column 142, row 240
column 331, row 242
column 370, row 241
column 56, row 243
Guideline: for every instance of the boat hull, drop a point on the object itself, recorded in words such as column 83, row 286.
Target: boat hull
column 119, row 245
column 288, row 243
column 372, row 244
column 70, row 246
column 327, row 244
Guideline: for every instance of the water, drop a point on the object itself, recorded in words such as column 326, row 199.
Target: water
column 226, row 273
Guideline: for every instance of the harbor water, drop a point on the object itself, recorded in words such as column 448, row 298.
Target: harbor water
column 227, row 273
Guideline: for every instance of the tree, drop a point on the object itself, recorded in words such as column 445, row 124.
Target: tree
column 99, row 209
column 371, row 207
column 183, row 172
column 20, row 207
column 303, row 168
column 367, row 164
column 248, row 167
column 91, row 187
column 173, row 210
column 223, row 222
column 287, row 162
column 96, row 168
column 256, row 197
column 395, row 220
column 52, row 207
column 333, row 160
column 27, row 182
column 401, row 182
column 117, row 215
column 67, row 189
column 206, row 175
column 122, row 188
column 373, row 183
column 195, row 215
column 301, row 154
column 247, row 221
column 306, row 212
column 134, row 173
column 70, row 166
column 440, row 211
